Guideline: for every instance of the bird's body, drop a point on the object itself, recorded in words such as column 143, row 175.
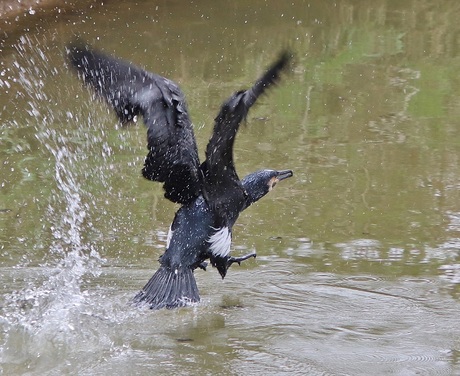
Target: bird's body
column 211, row 194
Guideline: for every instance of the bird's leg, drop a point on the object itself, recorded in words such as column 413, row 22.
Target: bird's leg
column 203, row 265
column 238, row 260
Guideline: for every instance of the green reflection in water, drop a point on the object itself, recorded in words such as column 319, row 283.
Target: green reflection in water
column 368, row 120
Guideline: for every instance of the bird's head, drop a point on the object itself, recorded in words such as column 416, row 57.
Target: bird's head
column 259, row 183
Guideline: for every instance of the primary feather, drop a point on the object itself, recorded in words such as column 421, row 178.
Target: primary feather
column 172, row 157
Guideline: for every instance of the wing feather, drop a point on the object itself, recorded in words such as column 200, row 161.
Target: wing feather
column 222, row 186
column 172, row 157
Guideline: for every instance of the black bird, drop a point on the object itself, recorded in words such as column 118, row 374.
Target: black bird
column 210, row 194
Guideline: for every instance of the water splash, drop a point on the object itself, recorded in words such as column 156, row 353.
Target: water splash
column 49, row 305
column 47, row 311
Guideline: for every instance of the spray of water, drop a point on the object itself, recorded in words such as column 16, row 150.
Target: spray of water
column 48, row 310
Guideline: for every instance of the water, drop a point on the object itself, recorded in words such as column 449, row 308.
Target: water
column 357, row 270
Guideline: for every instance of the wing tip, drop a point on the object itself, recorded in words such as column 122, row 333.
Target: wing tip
column 76, row 51
column 286, row 57
column 282, row 64
column 76, row 45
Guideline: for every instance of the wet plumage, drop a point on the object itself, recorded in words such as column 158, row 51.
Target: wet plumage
column 211, row 194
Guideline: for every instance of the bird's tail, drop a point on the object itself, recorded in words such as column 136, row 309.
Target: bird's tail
column 169, row 288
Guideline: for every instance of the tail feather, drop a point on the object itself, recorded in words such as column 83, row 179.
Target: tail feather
column 169, row 288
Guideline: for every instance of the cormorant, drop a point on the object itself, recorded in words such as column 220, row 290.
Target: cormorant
column 210, row 194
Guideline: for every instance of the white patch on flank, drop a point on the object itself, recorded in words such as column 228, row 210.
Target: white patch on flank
column 169, row 237
column 220, row 241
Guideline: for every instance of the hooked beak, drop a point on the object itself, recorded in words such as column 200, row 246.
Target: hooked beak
column 284, row 174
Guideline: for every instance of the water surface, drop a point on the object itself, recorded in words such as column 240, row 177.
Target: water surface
column 358, row 265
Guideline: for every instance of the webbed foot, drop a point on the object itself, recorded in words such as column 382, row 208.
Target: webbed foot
column 238, row 260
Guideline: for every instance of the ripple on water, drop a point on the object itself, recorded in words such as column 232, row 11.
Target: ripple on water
column 363, row 278
column 363, row 320
column 368, row 249
column 451, row 273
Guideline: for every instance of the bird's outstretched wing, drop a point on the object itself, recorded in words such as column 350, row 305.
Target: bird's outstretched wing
column 131, row 91
column 222, row 186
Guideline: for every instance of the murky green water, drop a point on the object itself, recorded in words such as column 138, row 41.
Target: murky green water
column 358, row 267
